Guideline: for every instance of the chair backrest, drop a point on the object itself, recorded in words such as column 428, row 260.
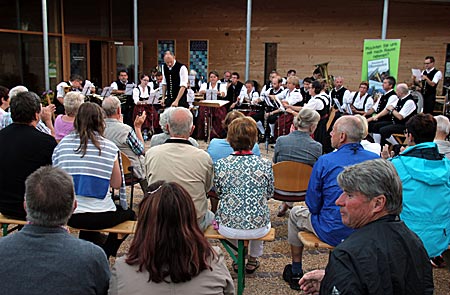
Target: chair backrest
column 126, row 163
column 331, row 118
column 291, row 176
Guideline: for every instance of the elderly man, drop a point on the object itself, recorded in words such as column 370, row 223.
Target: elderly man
column 175, row 79
column 23, row 150
column 339, row 92
column 321, row 216
column 44, row 258
column 383, row 256
column 399, row 114
column 425, row 174
column 129, row 141
column 178, row 161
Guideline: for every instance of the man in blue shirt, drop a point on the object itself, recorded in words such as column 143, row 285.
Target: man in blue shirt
column 322, row 216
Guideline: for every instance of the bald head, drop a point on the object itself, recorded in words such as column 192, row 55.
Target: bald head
column 402, row 90
column 180, row 123
column 111, row 105
column 347, row 129
column 169, row 58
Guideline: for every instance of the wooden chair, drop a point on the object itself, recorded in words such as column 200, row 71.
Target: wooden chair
column 291, row 181
column 309, row 240
column 331, row 118
column 130, row 179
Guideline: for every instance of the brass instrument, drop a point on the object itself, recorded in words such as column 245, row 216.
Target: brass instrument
column 329, row 79
column 67, row 89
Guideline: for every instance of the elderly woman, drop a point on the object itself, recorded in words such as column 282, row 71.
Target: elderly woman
column 219, row 147
column 64, row 123
column 93, row 163
column 161, row 138
column 442, row 131
column 244, row 182
column 170, row 257
column 298, row 146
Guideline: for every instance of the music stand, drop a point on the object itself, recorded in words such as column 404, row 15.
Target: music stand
column 210, row 104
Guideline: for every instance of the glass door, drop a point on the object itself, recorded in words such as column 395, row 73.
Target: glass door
column 76, row 58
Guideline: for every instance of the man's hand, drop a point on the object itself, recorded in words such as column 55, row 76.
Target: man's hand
column 175, row 103
column 310, row 282
column 233, row 105
column 139, row 120
column 385, row 154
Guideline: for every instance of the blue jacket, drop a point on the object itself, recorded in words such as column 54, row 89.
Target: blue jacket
column 323, row 191
column 425, row 176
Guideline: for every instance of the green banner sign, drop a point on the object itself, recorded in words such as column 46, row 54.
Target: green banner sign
column 380, row 59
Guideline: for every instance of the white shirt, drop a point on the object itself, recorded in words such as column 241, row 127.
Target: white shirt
column 408, row 107
column 144, row 93
column 359, row 101
column 437, row 77
column 60, row 89
column 291, row 97
column 391, row 101
column 316, row 104
column 115, row 86
column 190, row 97
column 184, row 77
column 253, row 96
column 222, row 89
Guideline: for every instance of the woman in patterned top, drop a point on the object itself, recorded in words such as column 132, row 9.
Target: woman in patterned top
column 243, row 183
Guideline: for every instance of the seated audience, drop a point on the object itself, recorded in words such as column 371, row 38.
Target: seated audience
column 321, row 215
column 425, row 175
column 23, row 149
column 367, row 145
column 129, row 141
column 383, row 256
column 221, row 148
column 442, row 131
column 64, row 123
column 43, row 257
column 298, row 146
column 4, row 106
column 179, row 161
column 158, row 139
column 244, row 182
column 170, row 257
column 93, row 162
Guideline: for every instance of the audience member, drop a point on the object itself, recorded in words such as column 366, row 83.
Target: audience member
column 178, row 161
column 43, row 257
column 220, row 148
column 367, row 145
column 93, row 162
column 244, row 182
column 64, row 123
column 321, row 216
column 158, row 139
column 170, row 257
column 298, row 146
column 18, row 159
column 4, row 106
column 129, row 141
column 383, row 256
column 442, row 131
column 425, row 175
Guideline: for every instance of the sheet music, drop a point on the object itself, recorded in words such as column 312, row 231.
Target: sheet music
column 348, row 109
column 212, row 103
column 87, row 88
column 417, row 73
column 129, row 89
column 211, row 94
column 106, row 92
column 192, row 80
column 336, row 102
column 270, row 103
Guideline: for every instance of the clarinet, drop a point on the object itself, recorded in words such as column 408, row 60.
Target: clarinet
column 206, row 123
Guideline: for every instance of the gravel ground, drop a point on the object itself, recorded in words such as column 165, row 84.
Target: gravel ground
column 268, row 279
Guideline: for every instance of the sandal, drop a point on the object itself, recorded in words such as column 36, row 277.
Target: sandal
column 254, row 266
column 282, row 209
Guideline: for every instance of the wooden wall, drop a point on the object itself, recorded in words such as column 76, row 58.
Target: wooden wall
column 307, row 33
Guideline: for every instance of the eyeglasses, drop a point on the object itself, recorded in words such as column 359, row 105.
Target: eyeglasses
column 427, row 63
column 145, row 80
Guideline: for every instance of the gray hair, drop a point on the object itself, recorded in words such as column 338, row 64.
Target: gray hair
column 180, row 122
column 110, row 105
column 443, row 124
column 16, row 90
column 306, row 118
column 365, row 124
column 164, row 119
column 49, row 196
column 402, row 88
column 72, row 102
column 352, row 127
column 373, row 178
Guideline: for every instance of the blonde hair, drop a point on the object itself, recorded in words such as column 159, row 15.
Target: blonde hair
column 72, row 102
column 294, row 80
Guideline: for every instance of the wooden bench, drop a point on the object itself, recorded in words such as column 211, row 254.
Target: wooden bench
column 310, row 240
column 241, row 249
column 122, row 229
column 5, row 222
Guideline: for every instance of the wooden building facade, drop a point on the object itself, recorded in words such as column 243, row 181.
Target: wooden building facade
column 284, row 35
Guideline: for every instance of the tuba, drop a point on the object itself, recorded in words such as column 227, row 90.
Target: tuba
column 328, row 79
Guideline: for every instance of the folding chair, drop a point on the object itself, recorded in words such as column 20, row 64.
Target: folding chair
column 291, row 181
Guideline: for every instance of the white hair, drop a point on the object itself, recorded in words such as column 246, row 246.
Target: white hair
column 16, row 90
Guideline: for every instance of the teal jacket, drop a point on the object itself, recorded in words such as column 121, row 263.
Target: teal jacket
column 425, row 175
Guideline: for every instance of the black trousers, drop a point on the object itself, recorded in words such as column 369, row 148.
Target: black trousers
column 388, row 130
column 259, row 116
column 99, row 221
column 428, row 104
